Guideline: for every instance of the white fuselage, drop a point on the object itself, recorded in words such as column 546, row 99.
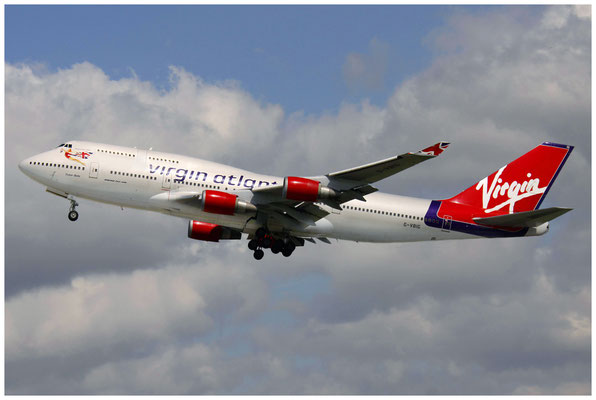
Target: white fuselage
column 153, row 181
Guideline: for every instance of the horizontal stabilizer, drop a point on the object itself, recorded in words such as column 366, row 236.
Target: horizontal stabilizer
column 527, row 219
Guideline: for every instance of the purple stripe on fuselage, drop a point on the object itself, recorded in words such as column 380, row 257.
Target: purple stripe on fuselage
column 432, row 219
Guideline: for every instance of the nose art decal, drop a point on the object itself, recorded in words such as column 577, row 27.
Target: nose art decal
column 76, row 156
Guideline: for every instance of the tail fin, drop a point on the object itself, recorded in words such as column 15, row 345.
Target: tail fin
column 518, row 186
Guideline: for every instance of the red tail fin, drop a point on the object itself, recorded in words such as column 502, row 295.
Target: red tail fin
column 520, row 185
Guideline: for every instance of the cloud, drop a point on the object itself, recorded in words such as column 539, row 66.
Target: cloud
column 366, row 71
column 144, row 305
column 122, row 302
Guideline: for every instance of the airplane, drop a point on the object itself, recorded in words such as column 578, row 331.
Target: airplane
column 282, row 213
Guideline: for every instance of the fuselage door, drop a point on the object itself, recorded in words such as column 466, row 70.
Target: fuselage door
column 94, row 170
column 447, row 223
column 167, row 182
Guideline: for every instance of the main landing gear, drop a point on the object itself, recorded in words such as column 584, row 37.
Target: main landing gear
column 73, row 215
column 264, row 240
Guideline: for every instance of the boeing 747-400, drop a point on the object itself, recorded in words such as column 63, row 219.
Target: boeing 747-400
column 281, row 213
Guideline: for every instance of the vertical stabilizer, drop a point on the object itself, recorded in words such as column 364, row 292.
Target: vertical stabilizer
column 520, row 185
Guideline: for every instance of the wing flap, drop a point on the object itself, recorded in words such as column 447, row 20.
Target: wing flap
column 526, row 219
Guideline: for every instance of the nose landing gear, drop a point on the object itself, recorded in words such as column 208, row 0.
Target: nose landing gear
column 73, row 215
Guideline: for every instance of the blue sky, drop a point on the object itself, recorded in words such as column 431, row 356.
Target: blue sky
column 288, row 55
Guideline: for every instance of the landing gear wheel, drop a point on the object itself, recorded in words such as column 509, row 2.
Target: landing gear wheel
column 266, row 242
column 73, row 215
column 286, row 252
column 252, row 244
column 277, row 246
column 258, row 254
column 288, row 249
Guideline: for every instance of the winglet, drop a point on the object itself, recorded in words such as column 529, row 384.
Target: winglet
column 434, row 150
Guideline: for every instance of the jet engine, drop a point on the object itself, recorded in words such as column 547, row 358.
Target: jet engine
column 303, row 189
column 210, row 232
column 214, row 201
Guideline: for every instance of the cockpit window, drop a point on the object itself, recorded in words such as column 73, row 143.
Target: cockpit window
column 61, row 145
column 69, row 145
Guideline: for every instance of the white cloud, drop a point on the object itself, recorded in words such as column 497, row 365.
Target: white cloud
column 104, row 310
column 583, row 11
column 158, row 313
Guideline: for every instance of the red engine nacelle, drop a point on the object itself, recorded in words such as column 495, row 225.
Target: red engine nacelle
column 304, row 189
column 204, row 231
column 210, row 232
column 214, row 201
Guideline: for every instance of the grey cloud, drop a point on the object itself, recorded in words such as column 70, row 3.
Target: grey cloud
column 366, row 71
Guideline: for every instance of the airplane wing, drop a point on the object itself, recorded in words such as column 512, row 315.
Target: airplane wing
column 349, row 184
column 354, row 183
column 378, row 170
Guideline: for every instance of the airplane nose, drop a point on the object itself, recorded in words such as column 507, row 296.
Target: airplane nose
column 24, row 166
